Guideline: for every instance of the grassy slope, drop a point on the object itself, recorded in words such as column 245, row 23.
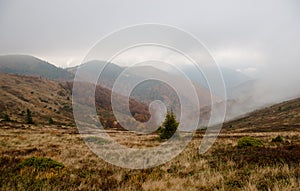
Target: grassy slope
column 45, row 98
column 48, row 98
column 274, row 166
column 280, row 117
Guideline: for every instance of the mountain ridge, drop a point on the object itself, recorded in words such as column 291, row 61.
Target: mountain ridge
column 30, row 65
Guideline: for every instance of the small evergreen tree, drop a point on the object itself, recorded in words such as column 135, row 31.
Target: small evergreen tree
column 51, row 122
column 7, row 118
column 29, row 117
column 169, row 126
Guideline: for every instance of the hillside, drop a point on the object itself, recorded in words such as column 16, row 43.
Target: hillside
column 47, row 98
column 72, row 165
column 284, row 116
column 29, row 65
column 43, row 97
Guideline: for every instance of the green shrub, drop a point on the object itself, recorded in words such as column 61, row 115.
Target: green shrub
column 2, row 143
column 249, row 142
column 277, row 139
column 96, row 140
column 40, row 163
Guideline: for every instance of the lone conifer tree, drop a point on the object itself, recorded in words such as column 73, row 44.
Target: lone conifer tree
column 51, row 122
column 29, row 117
column 169, row 126
column 7, row 118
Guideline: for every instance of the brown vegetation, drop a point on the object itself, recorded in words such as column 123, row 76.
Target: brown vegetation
column 51, row 99
column 274, row 166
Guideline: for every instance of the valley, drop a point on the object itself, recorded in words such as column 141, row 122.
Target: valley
column 258, row 150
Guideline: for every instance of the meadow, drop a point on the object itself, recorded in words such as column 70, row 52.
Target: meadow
column 48, row 157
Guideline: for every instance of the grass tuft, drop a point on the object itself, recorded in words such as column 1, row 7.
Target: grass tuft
column 96, row 140
column 249, row 142
column 40, row 163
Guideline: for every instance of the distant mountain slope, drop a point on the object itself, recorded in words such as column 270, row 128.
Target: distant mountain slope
column 29, row 65
column 151, row 89
column 145, row 92
column 231, row 77
column 243, row 91
column 48, row 98
column 284, row 116
column 90, row 72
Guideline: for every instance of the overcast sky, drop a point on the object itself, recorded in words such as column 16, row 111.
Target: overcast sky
column 245, row 35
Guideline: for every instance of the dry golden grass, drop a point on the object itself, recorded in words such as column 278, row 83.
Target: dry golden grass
column 222, row 168
column 44, row 98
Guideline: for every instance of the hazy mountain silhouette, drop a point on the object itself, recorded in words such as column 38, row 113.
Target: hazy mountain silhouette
column 29, row 65
column 231, row 77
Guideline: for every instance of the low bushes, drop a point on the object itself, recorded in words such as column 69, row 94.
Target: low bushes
column 40, row 163
column 249, row 142
column 277, row 139
column 96, row 140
